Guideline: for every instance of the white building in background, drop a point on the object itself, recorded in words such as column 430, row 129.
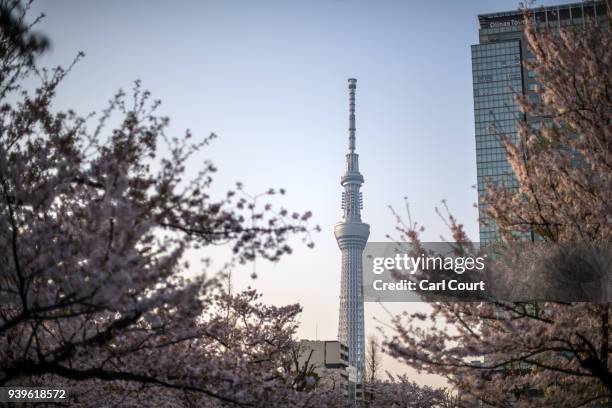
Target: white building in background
column 330, row 354
column 329, row 359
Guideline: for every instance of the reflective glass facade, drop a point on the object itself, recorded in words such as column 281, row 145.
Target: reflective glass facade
column 497, row 76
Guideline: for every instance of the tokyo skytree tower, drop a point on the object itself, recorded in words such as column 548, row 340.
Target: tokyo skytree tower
column 352, row 235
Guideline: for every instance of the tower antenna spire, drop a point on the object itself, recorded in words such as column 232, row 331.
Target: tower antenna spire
column 352, row 86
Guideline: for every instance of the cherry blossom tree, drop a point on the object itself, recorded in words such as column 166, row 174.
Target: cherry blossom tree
column 548, row 354
column 95, row 220
column 240, row 354
column 400, row 392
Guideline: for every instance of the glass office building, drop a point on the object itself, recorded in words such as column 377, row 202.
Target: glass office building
column 498, row 74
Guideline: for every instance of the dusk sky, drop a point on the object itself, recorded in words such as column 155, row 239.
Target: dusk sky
column 270, row 78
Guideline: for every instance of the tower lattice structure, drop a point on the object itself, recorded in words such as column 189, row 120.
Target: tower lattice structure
column 352, row 235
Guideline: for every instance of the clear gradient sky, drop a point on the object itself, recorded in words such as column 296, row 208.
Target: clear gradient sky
column 270, row 78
